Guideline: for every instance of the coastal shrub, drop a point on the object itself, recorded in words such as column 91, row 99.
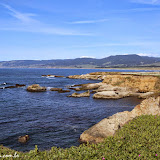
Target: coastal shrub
column 129, row 78
column 157, row 85
column 139, row 139
column 118, row 83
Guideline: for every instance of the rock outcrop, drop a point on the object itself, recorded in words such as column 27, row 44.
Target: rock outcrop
column 36, row 88
column 103, row 75
column 56, row 89
column 88, row 86
column 109, row 87
column 113, row 92
column 111, row 95
column 20, row 85
column 15, row 86
column 86, row 76
column 143, row 95
column 58, row 76
column 63, row 91
column 108, row 126
column 142, row 83
column 121, row 84
column 84, row 94
column 23, row 139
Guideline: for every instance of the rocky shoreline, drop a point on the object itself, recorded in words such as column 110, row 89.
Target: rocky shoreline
column 114, row 85
column 111, row 85
column 109, row 126
column 120, row 85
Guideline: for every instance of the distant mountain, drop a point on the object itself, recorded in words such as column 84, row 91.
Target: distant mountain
column 129, row 60
column 111, row 61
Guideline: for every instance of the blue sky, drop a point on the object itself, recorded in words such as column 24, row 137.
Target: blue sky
column 60, row 29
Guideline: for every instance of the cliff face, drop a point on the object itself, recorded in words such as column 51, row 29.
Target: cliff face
column 142, row 83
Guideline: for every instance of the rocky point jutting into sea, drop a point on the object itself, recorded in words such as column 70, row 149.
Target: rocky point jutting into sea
column 117, row 85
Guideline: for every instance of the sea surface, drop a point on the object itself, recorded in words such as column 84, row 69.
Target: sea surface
column 50, row 118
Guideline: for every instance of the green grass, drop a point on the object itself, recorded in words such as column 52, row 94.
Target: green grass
column 139, row 139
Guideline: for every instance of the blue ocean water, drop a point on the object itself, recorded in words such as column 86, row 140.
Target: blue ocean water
column 50, row 118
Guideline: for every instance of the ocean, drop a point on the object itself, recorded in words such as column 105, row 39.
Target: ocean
column 50, row 118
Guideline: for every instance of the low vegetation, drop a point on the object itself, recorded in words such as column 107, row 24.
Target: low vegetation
column 139, row 139
column 118, row 83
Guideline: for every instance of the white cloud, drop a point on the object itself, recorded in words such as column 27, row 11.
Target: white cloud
column 144, row 54
column 137, row 10
column 144, row 44
column 113, row 44
column 23, row 17
column 29, row 24
column 87, row 57
column 46, row 30
column 89, row 21
column 148, row 54
column 152, row 2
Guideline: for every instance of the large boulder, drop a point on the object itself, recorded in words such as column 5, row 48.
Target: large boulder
column 36, row 88
column 108, row 126
column 84, row 94
column 23, row 139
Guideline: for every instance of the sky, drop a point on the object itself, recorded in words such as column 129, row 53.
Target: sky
column 62, row 29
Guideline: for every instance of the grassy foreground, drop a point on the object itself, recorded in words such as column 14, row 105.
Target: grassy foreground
column 139, row 139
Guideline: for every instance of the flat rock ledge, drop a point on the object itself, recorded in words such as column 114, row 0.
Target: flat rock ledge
column 36, row 88
column 111, row 94
column 84, row 94
column 63, row 91
column 121, row 94
column 108, row 126
column 107, row 91
column 88, row 86
column 56, row 89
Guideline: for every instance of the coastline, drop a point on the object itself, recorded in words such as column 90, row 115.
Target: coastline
column 129, row 68
column 52, row 147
